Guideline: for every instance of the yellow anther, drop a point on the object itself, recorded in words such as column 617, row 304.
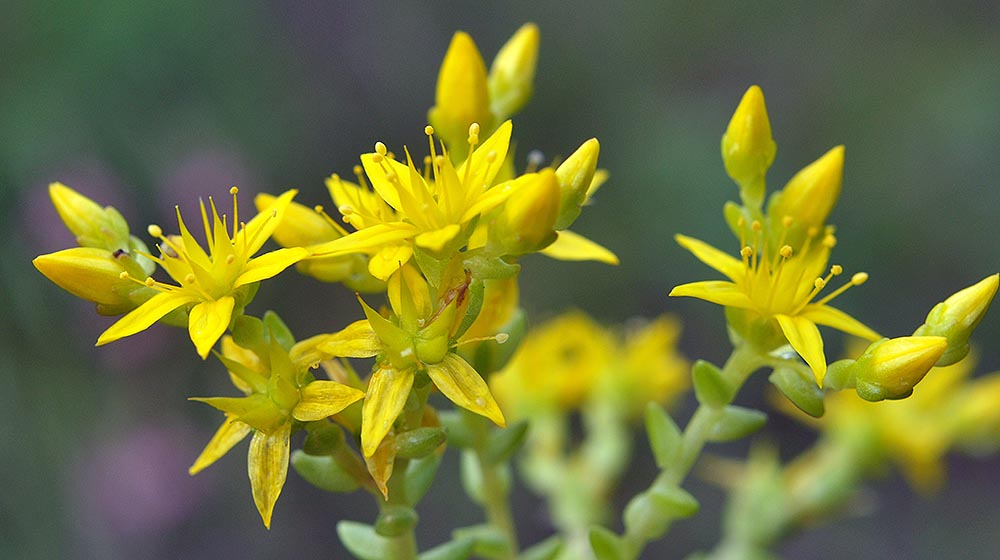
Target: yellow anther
column 502, row 337
column 813, row 231
column 429, row 130
column 230, row 259
column 439, row 160
column 345, row 209
column 829, row 241
column 357, row 170
column 391, row 155
column 190, row 279
column 427, row 160
column 746, row 252
column 149, row 282
column 836, row 270
column 335, row 177
column 474, row 129
column 741, row 222
column 787, row 221
column 859, row 278
column 756, row 225
column 155, row 231
column 234, row 189
column 377, row 158
column 786, row 251
column 473, row 140
column 380, row 149
column 390, row 175
column 318, row 208
column 123, row 275
column 819, row 284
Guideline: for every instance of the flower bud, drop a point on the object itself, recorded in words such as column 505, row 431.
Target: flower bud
column 812, row 193
column 513, row 72
column 956, row 317
column 95, row 275
column 300, row 226
column 526, row 222
column 93, row 226
column 575, row 177
column 462, row 97
column 747, row 146
column 420, row 442
column 890, row 368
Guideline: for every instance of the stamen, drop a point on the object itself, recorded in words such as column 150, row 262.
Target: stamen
column 785, row 253
column 155, row 231
column 230, row 259
column 856, row 280
column 236, row 209
column 429, row 130
column 330, row 221
column 190, row 279
column 535, row 159
column 499, row 338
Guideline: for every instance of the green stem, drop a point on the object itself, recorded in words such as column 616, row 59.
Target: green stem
column 495, row 498
column 743, row 361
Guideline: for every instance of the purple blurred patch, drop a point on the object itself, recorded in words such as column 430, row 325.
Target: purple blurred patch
column 135, row 484
column 204, row 174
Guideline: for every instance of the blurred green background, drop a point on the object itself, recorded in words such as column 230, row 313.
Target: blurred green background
column 149, row 104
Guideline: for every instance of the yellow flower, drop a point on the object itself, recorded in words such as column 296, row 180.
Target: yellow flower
column 773, row 294
column 216, row 284
column 279, row 393
column 431, row 210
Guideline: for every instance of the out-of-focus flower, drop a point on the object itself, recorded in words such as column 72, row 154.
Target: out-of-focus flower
column 217, row 284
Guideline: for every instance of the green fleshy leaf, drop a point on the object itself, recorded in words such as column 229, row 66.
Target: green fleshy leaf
column 363, row 542
column 490, row 542
column 250, row 333
column 504, row 443
column 395, row 520
column 460, row 549
column 418, row 443
column 675, row 501
column 419, row 476
column 279, row 330
column 664, row 435
column 710, row 387
column 800, row 389
column 840, row 375
column 324, row 438
column 475, row 295
column 737, row 422
column 491, row 268
column 606, row 545
column 647, row 515
column 323, row 472
column 548, row 549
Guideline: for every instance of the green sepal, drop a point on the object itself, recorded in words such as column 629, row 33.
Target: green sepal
column 432, row 267
column 737, row 422
column 323, row 472
column 548, row 549
column 475, row 296
column 489, row 541
column 324, row 438
column 800, row 389
column 490, row 268
column 279, row 330
column 419, row 443
column 363, row 542
column 710, row 386
column 606, row 545
column 460, row 549
column 459, row 434
column 840, row 375
column 250, row 333
column 505, row 443
column 664, row 435
column 395, row 520
column 419, row 477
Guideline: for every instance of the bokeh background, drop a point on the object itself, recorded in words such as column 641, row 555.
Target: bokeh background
column 149, row 104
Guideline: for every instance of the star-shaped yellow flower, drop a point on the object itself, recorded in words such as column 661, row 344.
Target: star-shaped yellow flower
column 214, row 283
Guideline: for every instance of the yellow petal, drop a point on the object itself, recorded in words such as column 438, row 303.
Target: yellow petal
column 140, row 318
column 570, row 246
column 381, row 462
column 357, row 340
column 262, row 226
column 804, row 337
column 269, row 265
column 230, row 433
column 830, row 317
column 436, row 240
column 388, row 259
column 366, row 240
column 461, row 383
column 208, row 321
column 388, row 390
column 719, row 260
column 267, row 464
column 388, row 190
column 462, row 97
column 482, row 173
column 716, row 291
column 321, row 399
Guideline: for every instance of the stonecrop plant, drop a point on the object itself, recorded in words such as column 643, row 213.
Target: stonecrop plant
column 433, row 237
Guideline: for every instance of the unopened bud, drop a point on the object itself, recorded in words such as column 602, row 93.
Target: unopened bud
column 512, row 75
column 812, row 193
column 462, row 97
column 418, row 443
column 528, row 217
column 575, row 177
column 300, row 226
column 747, row 146
column 890, row 368
column 93, row 226
column 956, row 317
column 94, row 275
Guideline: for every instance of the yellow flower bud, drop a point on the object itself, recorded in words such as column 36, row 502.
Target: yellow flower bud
column 95, row 275
column 513, row 73
column 462, row 97
column 811, row 194
column 956, row 317
column 300, row 226
column 93, row 226
column 747, row 146
column 575, row 177
column 526, row 222
column 890, row 368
